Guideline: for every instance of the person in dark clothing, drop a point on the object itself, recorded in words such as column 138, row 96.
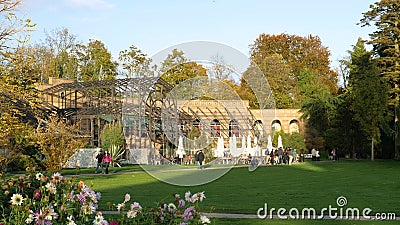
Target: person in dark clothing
column 302, row 155
column 99, row 158
column 200, row 157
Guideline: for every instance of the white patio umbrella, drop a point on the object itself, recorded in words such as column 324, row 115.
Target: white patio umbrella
column 180, row 151
column 235, row 151
column 220, row 147
column 256, row 148
column 269, row 144
column 243, row 151
column 280, row 145
column 249, row 148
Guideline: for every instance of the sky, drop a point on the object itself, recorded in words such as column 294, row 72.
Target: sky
column 153, row 26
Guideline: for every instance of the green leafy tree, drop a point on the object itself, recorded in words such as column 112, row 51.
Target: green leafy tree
column 57, row 55
column 135, row 63
column 293, row 140
column 385, row 16
column 19, row 100
column 18, row 74
column 95, row 62
column 370, row 94
column 281, row 80
column 176, row 68
column 316, row 103
column 253, row 80
column 112, row 135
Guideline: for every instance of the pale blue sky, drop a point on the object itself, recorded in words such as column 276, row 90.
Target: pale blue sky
column 155, row 25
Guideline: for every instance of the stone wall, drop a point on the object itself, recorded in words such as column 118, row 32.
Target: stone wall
column 84, row 158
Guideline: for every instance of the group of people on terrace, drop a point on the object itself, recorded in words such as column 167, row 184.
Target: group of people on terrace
column 283, row 156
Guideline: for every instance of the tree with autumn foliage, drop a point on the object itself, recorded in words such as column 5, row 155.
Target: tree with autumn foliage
column 297, row 53
column 176, row 68
column 58, row 141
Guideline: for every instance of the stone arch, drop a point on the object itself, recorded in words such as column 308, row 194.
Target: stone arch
column 294, row 126
column 258, row 128
column 233, row 128
column 215, row 128
column 276, row 125
column 197, row 124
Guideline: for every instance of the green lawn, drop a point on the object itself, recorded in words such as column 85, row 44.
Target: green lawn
column 375, row 185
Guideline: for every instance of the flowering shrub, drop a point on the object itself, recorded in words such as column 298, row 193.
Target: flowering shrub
column 177, row 211
column 35, row 198
column 38, row 199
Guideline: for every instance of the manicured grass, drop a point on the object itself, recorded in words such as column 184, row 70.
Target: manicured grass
column 375, row 185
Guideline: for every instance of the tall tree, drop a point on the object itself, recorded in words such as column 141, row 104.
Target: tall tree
column 135, row 63
column 19, row 97
column 370, row 93
column 317, row 106
column 281, row 80
column 385, row 16
column 219, row 70
column 299, row 53
column 176, row 68
column 61, row 45
column 95, row 62
column 12, row 28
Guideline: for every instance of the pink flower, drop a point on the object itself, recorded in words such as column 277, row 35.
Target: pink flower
column 127, row 197
column 136, row 206
column 188, row 214
column 181, row 203
column 113, row 223
column 21, row 185
column 36, row 194
column 57, row 177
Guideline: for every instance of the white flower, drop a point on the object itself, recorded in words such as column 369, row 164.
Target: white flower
column 88, row 209
column 171, row 208
column 204, row 220
column 187, row 196
column 201, row 196
column 131, row 213
column 39, row 176
column 98, row 219
column 194, row 198
column 17, row 199
column 29, row 219
column 50, row 187
column 120, row 206
column 71, row 220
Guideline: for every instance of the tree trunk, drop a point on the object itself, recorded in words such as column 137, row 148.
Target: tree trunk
column 372, row 149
